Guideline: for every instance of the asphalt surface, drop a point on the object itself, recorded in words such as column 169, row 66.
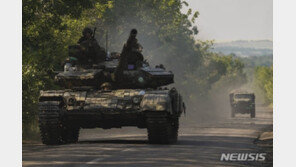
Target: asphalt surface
column 198, row 145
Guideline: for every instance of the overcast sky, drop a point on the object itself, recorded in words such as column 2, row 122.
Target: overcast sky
column 225, row 20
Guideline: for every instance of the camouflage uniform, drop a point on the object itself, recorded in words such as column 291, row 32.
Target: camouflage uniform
column 92, row 52
column 130, row 54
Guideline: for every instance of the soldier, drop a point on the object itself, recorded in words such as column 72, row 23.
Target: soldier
column 131, row 56
column 132, row 50
column 86, row 35
column 93, row 53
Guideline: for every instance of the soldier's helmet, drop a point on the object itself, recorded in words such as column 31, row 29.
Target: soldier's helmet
column 133, row 32
column 87, row 30
column 106, row 86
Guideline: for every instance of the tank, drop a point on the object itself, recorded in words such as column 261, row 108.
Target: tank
column 90, row 97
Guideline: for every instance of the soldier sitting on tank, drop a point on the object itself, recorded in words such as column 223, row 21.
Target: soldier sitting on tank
column 131, row 57
column 92, row 53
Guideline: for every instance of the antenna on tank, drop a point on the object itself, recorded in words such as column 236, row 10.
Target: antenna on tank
column 108, row 54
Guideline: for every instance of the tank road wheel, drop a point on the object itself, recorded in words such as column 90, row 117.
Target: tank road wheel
column 50, row 124
column 253, row 113
column 70, row 134
column 162, row 129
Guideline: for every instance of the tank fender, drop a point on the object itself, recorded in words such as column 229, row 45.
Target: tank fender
column 177, row 102
column 156, row 102
column 57, row 95
column 51, row 95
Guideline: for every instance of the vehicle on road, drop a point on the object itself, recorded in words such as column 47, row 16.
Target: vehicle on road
column 242, row 102
column 90, row 98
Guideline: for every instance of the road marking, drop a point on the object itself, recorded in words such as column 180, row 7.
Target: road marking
column 127, row 149
column 95, row 161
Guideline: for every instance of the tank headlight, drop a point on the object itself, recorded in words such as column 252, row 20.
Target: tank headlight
column 71, row 101
column 141, row 79
column 136, row 100
column 67, row 94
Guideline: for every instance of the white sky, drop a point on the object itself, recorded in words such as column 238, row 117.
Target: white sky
column 225, row 20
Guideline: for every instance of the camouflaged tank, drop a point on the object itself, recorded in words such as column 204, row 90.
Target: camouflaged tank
column 86, row 102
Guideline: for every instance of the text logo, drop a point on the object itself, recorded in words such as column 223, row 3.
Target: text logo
column 242, row 156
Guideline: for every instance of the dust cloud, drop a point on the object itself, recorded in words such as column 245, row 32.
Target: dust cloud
column 212, row 107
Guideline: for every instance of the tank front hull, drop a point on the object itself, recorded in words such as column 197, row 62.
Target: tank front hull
column 105, row 119
column 110, row 109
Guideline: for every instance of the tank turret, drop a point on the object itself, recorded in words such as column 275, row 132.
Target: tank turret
column 92, row 76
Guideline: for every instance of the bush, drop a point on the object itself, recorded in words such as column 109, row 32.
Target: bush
column 264, row 81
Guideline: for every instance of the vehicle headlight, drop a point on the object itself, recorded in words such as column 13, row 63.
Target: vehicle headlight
column 71, row 101
column 136, row 100
column 141, row 79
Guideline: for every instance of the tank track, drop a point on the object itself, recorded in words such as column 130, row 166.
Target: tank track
column 162, row 129
column 52, row 129
column 253, row 113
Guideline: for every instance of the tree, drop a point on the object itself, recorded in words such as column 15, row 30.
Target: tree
column 264, row 81
column 48, row 28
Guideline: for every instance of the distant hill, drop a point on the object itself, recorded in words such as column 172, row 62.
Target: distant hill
column 244, row 48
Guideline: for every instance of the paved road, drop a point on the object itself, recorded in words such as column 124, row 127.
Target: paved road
column 198, row 145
